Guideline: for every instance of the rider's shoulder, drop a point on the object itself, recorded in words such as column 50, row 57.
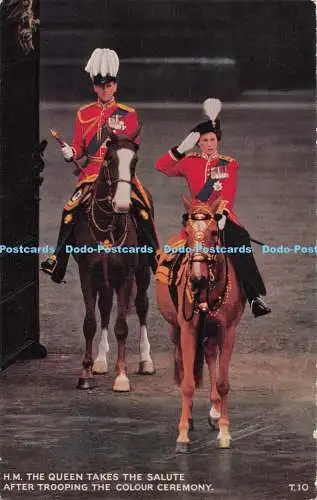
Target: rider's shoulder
column 194, row 154
column 228, row 159
column 124, row 109
column 88, row 112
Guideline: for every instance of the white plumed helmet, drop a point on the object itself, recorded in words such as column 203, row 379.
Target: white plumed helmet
column 212, row 108
column 103, row 66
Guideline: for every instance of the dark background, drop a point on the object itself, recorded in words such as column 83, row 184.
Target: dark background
column 19, row 188
column 267, row 45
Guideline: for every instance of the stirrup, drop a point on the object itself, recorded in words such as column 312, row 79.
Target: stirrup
column 49, row 265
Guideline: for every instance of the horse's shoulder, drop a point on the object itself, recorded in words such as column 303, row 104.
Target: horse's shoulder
column 88, row 112
column 125, row 108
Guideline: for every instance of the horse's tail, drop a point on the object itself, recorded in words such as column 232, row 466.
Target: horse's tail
column 199, row 352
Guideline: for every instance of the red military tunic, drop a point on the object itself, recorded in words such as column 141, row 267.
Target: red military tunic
column 197, row 168
column 90, row 119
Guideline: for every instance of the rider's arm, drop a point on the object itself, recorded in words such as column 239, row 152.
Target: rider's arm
column 172, row 166
column 78, row 141
column 131, row 122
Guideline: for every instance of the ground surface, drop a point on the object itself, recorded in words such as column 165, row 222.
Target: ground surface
column 51, row 427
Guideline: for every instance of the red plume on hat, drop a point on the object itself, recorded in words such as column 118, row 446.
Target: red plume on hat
column 212, row 108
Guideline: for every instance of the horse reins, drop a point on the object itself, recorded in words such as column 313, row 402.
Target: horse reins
column 96, row 203
column 207, row 307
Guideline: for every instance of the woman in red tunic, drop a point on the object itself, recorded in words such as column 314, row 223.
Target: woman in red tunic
column 211, row 175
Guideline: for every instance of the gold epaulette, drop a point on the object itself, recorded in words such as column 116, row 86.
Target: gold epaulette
column 193, row 154
column 227, row 158
column 125, row 107
column 82, row 110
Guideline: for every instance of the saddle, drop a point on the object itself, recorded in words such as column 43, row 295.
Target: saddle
column 81, row 196
column 171, row 267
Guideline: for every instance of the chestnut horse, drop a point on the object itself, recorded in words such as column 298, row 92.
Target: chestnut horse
column 106, row 224
column 210, row 306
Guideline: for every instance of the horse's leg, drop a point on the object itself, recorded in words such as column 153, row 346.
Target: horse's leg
column 187, row 344
column 223, row 386
column 178, row 363
column 211, row 353
column 105, row 305
column 142, row 277
column 89, row 290
column 178, row 367
column 124, row 290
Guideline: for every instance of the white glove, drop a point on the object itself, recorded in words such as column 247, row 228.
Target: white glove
column 188, row 143
column 67, row 151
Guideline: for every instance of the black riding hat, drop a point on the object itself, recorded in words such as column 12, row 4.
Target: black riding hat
column 211, row 108
column 209, row 126
column 103, row 80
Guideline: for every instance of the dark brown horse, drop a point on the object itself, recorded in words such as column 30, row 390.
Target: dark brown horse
column 210, row 306
column 107, row 224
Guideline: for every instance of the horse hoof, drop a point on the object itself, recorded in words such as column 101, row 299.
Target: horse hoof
column 100, row 366
column 182, row 448
column 121, row 384
column 146, row 368
column 190, row 424
column 86, row 383
column 223, row 443
column 213, row 423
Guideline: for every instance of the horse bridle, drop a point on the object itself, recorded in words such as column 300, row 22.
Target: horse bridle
column 207, row 307
column 110, row 182
column 97, row 202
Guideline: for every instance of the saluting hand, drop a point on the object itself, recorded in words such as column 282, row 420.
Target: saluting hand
column 67, row 151
column 188, row 143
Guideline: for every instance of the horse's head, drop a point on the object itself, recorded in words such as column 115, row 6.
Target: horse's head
column 203, row 235
column 118, row 169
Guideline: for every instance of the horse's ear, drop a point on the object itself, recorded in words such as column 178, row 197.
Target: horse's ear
column 137, row 131
column 187, row 203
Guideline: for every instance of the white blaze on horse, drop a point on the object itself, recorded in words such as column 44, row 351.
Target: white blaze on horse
column 107, row 222
column 203, row 324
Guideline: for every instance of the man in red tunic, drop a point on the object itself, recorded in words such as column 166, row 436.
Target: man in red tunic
column 211, row 175
column 90, row 141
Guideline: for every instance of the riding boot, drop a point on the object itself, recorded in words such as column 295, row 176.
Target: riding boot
column 246, row 268
column 146, row 232
column 257, row 304
column 56, row 264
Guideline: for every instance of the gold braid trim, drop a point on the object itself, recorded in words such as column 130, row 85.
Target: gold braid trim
column 90, row 178
column 141, row 189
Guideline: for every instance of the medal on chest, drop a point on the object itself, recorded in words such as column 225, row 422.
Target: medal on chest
column 115, row 123
column 216, row 173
